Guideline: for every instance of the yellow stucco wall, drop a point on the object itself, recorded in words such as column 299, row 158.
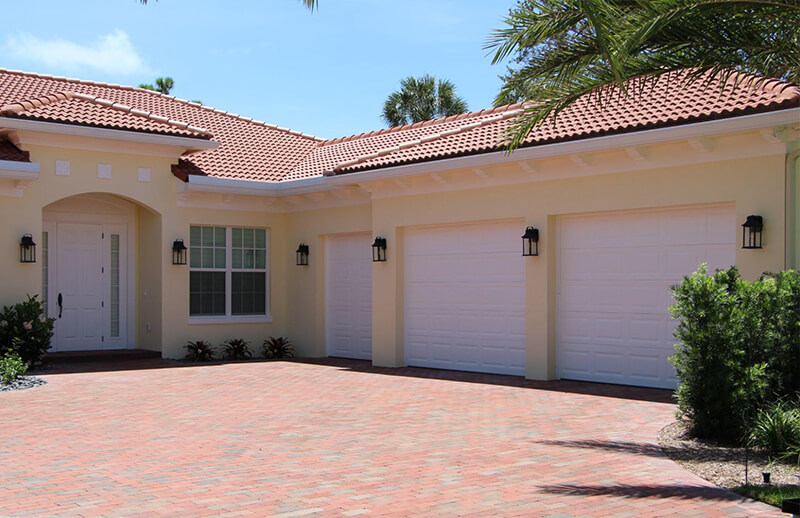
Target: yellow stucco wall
column 161, row 288
column 755, row 185
column 297, row 294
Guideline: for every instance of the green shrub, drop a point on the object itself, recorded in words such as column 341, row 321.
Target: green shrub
column 280, row 347
column 738, row 347
column 776, row 429
column 783, row 326
column 11, row 367
column 237, row 349
column 199, row 351
column 25, row 330
column 710, row 360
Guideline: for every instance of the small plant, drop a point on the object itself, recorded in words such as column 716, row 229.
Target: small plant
column 776, row 429
column 280, row 347
column 11, row 367
column 199, row 351
column 24, row 329
column 236, row 349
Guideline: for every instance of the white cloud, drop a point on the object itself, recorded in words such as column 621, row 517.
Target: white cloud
column 112, row 53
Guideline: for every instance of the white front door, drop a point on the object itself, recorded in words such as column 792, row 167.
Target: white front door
column 615, row 273
column 465, row 298
column 348, row 296
column 89, row 292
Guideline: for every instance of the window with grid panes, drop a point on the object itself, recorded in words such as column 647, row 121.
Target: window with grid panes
column 228, row 271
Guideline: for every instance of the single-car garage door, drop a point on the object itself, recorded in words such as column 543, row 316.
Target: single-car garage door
column 615, row 272
column 465, row 298
column 348, row 296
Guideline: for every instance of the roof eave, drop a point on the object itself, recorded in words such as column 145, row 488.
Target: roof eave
column 789, row 116
column 190, row 144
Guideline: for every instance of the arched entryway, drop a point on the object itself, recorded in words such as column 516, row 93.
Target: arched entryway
column 89, row 271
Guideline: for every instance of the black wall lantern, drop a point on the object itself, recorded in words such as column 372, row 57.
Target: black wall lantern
column 530, row 242
column 302, row 255
column 178, row 252
column 27, row 249
column 751, row 232
column 379, row 250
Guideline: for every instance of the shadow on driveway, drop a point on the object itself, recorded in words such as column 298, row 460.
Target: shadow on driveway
column 682, row 492
column 362, row 366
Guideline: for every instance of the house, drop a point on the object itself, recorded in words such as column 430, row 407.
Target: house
column 110, row 182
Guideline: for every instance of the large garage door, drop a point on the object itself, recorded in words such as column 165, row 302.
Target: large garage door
column 614, row 276
column 348, row 296
column 465, row 298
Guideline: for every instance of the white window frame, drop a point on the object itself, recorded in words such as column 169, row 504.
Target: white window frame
column 228, row 318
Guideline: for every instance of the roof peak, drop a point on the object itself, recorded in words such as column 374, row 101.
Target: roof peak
column 159, row 94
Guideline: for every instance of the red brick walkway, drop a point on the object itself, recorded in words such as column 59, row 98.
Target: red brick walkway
column 339, row 439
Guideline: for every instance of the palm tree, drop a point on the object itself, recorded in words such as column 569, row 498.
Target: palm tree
column 565, row 49
column 163, row 85
column 420, row 99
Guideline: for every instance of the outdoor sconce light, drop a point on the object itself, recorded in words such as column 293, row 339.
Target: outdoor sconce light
column 178, row 252
column 27, row 249
column 302, row 255
column 379, row 250
column 530, row 242
column 751, row 232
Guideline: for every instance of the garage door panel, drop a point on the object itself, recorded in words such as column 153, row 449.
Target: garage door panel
column 468, row 282
column 615, row 326
column 348, row 296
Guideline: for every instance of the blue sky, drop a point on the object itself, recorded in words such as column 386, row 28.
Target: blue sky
column 325, row 73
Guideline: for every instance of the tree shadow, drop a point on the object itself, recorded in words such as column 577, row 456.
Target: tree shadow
column 682, row 492
column 687, row 452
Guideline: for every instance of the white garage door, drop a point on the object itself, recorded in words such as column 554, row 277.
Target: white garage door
column 465, row 298
column 348, row 296
column 614, row 277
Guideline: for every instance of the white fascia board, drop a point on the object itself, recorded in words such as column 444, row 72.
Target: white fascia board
column 107, row 134
column 255, row 187
column 25, row 171
column 589, row 145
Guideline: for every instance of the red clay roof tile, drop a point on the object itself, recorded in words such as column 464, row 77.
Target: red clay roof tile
column 254, row 150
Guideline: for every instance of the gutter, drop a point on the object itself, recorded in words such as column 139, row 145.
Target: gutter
column 13, row 170
column 192, row 144
column 330, row 181
column 638, row 138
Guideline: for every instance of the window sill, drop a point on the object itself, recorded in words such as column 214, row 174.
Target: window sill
column 244, row 319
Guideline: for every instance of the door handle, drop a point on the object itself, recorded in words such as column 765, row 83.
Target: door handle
column 60, row 304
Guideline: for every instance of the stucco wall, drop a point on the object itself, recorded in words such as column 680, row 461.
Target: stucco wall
column 755, row 185
column 297, row 294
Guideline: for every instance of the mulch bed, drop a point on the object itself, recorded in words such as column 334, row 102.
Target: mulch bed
column 720, row 464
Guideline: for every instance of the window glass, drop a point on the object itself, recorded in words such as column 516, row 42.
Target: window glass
column 207, row 247
column 114, row 281
column 207, row 293
column 45, row 265
column 227, row 271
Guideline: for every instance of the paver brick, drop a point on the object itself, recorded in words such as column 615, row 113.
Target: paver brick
column 340, row 438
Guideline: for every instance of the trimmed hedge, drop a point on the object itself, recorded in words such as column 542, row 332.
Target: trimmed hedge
column 738, row 350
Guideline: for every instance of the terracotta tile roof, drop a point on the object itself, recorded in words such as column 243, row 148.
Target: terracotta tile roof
column 248, row 149
column 87, row 110
column 649, row 105
column 9, row 151
column 254, row 150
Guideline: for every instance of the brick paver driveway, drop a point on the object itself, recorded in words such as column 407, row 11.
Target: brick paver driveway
column 339, row 438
